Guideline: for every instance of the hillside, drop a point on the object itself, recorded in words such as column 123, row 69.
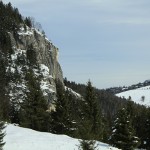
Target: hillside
column 18, row 138
column 109, row 103
column 28, row 63
column 116, row 90
column 140, row 95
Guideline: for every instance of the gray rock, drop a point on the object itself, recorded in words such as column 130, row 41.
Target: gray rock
column 46, row 54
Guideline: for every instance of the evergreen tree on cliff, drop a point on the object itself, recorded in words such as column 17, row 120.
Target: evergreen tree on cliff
column 33, row 109
column 4, row 100
column 123, row 135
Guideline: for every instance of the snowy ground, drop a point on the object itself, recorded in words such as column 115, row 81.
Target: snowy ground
column 18, row 138
column 139, row 95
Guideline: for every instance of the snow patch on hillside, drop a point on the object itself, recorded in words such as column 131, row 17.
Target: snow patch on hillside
column 18, row 138
column 73, row 92
column 17, row 87
column 30, row 31
column 140, row 95
column 45, row 85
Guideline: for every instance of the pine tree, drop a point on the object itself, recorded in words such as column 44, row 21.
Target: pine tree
column 31, row 55
column 91, row 125
column 28, row 22
column 123, row 135
column 147, row 133
column 12, row 17
column 130, row 108
column 138, row 117
column 61, row 117
column 87, row 145
column 4, row 99
column 90, row 128
column 33, row 109
column 2, row 134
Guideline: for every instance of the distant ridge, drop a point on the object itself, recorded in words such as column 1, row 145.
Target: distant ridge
column 119, row 89
column 140, row 95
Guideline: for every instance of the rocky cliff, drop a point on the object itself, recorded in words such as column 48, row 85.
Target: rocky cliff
column 46, row 55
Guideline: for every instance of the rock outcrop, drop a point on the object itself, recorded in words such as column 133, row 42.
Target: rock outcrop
column 46, row 56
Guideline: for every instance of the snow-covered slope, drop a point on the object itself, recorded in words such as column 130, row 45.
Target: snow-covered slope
column 73, row 92
column 18, row 138
column 139, row 95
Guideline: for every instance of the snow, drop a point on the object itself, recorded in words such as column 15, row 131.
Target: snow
column 140, row 95
column 18, row 138
column 44, row 70
column 17, row 88
column 45, row 85
column 30, row 31
column 47, row 39
column 27, row 32
column 73, row 92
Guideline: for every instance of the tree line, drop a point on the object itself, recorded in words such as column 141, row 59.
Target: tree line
column 111, row 106
column 82, row 118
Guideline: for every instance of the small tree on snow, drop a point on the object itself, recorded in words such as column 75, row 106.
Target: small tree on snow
column 142, row 98
column 123, row 135
column 87, row 145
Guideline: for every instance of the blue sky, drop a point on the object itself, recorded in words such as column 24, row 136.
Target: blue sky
column 106, row 41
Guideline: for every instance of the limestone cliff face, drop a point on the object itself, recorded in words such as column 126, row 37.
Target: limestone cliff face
column 47, row 53
column 46, row 56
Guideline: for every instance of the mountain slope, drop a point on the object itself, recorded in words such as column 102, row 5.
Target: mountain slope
column 18, row 138
column 140, row 95
column 24, row 49
column 116, row 90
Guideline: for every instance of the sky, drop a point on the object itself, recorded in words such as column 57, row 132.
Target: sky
column 106, row 41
